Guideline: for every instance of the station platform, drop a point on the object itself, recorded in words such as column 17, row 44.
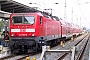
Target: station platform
column 4, row 51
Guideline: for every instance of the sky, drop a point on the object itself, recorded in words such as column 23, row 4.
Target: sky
column 76, row 11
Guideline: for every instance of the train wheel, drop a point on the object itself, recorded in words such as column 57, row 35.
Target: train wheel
column 47, row 43
column 26, row 51
column 35, row 47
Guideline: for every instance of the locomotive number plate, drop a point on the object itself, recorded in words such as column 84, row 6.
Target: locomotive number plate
column 23, row 30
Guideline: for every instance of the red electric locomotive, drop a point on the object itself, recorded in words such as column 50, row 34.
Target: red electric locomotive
column 29, row 31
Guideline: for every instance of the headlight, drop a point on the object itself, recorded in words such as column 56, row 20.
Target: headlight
column 12, row 35
column 33, row 34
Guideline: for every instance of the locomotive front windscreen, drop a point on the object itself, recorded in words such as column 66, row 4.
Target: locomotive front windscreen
column 23, row 19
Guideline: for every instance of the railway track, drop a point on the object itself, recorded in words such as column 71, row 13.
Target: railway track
column 80, row 54
column 14, row 57
column 10, row 56
column 21, row 57
column 82, row 49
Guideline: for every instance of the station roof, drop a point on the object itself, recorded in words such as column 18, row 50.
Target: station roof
column 15, row 7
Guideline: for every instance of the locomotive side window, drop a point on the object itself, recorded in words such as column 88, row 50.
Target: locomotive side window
column 41, row 20
column 29, row 20
column 17, row 19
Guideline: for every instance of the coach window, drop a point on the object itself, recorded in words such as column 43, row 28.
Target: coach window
column 41, row 20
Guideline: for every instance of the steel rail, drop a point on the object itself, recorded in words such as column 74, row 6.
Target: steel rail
column 79, row 57
column 7, row 57
column 65, row 54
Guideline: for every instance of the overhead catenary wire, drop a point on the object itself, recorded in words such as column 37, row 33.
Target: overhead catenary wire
column 81, row 11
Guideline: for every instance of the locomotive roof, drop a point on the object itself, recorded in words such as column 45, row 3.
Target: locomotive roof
column 45, row 14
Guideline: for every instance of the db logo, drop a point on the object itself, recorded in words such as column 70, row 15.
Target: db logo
column 23, row 30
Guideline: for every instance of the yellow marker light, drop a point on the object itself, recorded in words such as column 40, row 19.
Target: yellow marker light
column 34, row 59
column 48, row 47
column 70, row 48
column 61, row 43
column 27, row 58
column 72, row 38
column 2, row 49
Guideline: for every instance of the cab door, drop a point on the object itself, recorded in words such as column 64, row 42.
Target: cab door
column 40, row 26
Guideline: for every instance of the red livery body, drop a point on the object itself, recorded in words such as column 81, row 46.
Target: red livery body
column 29, row 31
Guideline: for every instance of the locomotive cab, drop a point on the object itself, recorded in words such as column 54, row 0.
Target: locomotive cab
column 24, row 31
column 22, row 26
